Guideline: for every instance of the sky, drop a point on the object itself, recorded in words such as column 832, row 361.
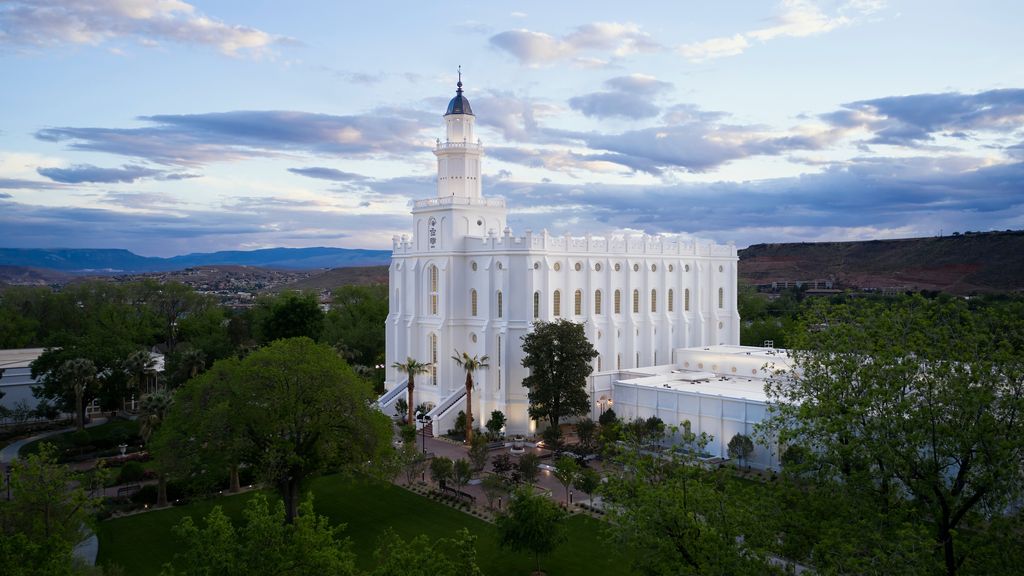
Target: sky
column 168, row 127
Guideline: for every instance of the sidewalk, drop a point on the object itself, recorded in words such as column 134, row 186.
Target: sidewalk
column 545, row 480
column 10, row 452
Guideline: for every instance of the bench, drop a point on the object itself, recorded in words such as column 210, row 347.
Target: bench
column 128, row 490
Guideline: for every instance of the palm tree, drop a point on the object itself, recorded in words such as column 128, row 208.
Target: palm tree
column 192, row 361
column 139, row 365
column 153, row 410
column 79, row 373
column 470, row 364
column 412, row 367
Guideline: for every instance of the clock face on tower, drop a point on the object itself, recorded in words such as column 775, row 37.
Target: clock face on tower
column 432, row 233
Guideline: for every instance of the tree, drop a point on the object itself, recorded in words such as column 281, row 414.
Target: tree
column 191, row 362
column 494, row 424
column 532, row 523
column 588, row 481
column 140, row 367
column 673, row 517
column 462, row 472
column 914, row 407
column 740, row 447
column 289, row 315
column 478, row 453
column 45, row 519
column 607, row 418
column 528, row 468
column 263, row 545
column 412, row 367
column 566, row 470
column 355, row 319
column 558, row 356
column 79, row 374
column 470, row 364
column 441, row 470
column 421, row 557
column 292, row 410
column 586, row 431
column 153, row 411
column 494, row 487
column 402, row 410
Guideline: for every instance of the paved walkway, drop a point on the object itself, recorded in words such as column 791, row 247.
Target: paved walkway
column 86, row 549
column 545, row 480
column 9, row 453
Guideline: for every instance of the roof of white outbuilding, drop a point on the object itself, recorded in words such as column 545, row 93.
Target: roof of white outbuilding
column 724, row 382
column 19, row 357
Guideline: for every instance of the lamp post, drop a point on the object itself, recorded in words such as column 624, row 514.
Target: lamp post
column 424, row 421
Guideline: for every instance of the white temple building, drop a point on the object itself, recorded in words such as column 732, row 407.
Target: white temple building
column 464, row 281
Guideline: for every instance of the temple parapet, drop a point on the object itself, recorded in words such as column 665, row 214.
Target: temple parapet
column 626, row 244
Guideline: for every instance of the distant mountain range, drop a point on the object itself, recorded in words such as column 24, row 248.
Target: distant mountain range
column 116, row 261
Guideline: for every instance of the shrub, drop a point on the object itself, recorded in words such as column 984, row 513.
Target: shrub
column 131, row 472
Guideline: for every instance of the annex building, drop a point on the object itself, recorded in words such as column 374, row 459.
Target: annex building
column 463, row 280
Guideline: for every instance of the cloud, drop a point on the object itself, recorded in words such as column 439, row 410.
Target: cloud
column 629, row 97
column 171, row 230
column 49, row 23
column 863, row 198
column 80, row 173
column 909, row 120
column 714, row 48
column 22, row 184
column 327, row 174
column 194, row 139
column 4, row 195
column 609, row 104
column 796, row 19
column 535, row 48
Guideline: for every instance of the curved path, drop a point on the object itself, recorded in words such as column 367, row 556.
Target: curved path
column 9, row 453
column 88, row 548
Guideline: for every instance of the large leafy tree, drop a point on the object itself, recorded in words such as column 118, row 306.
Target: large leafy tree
column 675, row 517
column 139, row 367
column 470, row 364
column 297, row 409
column 531, row 523
column 288, row 315
column 915, row 407
column 355, row 321
column 559, row 357
column 45, row 518
column 412, row 367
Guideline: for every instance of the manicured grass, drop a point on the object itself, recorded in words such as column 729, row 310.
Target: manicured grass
column 103, row 437
column 142, row 543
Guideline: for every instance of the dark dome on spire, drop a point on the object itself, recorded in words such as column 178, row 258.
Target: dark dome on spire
column 459, row 104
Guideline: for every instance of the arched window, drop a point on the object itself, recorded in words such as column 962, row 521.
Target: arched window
column 618, row 361
column 686, row 300
column 433, row 359
column 598, row 363
column 597, row 302
column 618, row 302
column 472, row 302
column 536, row 305
column 577, row 302
column 500, row 307
column 721, row 298
column 670, row 299
column 433, row 289
column 654, row 300
column 557, row 306
column 637, row 365
column 636, row 301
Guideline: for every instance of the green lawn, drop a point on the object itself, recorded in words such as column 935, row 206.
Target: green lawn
column 142, row 543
